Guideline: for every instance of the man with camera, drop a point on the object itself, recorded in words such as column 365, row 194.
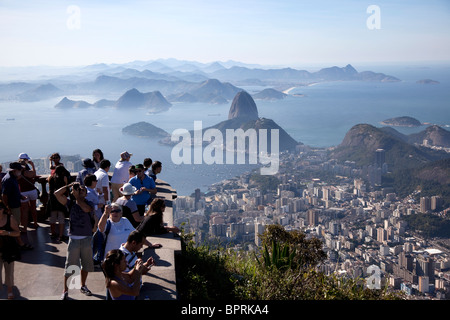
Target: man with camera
column 81, row 224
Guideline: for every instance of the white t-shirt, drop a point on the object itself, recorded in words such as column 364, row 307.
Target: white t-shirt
column 118, row 234
column 102, row 181
column 121, row 174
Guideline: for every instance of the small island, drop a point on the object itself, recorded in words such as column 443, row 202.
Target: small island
column 402, row 122
column 427, row 81
column 145, row 130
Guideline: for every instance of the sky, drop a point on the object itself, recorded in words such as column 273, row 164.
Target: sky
column 279, row 32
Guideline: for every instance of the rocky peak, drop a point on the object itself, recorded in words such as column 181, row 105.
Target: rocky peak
column 243, row 106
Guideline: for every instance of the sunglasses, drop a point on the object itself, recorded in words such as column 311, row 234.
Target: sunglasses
column 116, row 210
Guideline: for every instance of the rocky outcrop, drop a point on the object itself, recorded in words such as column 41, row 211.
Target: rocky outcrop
column 434, row 135
column 243, row 106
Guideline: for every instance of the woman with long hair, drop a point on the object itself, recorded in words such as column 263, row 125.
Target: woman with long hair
column 97, row 157
column 120, row 284
column 153, row 222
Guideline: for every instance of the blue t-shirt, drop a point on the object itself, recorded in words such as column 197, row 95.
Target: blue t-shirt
column 148, row 183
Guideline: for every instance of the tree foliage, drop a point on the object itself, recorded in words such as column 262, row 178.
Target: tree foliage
column 283, row 270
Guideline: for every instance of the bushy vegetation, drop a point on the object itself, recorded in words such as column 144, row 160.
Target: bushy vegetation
column 432, row 179
column 283, row 269
column 429, row 225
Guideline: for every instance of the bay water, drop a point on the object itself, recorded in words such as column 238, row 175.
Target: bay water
column 320, row 117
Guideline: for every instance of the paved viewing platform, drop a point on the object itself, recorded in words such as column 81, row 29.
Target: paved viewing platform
column 39, row 275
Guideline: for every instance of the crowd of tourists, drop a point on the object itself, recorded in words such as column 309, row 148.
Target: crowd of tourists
column 108, row 217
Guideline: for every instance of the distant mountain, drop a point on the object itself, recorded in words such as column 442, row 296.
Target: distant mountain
column 362, row 140
column 336, row 73
column 402, row 122
column 215, row 66
column 373, row 76
column 269, row 94
column 135, row 99
column 207, row 91
column 145, row 74
column 66, row 103
column 213, row 90
column 104, row 103
column 10, row 91
column 42, row 92
column 214, row 82
column 435, row 135
column 182, row 97
column 243, row 106
column 132, row 99
column 427, row 81
column 146, row 130
column 277, row 75
column 289, row 75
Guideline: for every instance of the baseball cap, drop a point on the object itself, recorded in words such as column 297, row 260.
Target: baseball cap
column 24, row 156
column 125, row 155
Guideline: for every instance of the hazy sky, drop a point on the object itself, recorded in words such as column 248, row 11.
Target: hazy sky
column 278, row 32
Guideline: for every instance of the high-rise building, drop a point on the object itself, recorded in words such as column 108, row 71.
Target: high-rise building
column 436, row 203
column 424, row 284
column 425, row 267
column 381, row 235
column 313, row 217
column 406, row 261
column 425, row 204
column 380, row 158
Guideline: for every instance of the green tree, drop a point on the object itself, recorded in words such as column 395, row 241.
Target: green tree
column 307, row 252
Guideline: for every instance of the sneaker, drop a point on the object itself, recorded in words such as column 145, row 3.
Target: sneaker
column 65, row 295
column 86, row 291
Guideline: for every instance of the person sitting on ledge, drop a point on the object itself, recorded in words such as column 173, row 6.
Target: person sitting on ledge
column 145, row 187
column 120, row 284
column 127, row 190
column 153, row 223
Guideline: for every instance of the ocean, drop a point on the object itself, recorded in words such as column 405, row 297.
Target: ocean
column 319, row 118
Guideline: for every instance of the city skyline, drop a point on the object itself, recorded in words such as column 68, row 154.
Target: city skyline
column 296, row 33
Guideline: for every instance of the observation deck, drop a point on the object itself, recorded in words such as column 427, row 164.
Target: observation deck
column 39, row 275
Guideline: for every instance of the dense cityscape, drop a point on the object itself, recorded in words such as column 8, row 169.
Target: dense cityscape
column 359, row 221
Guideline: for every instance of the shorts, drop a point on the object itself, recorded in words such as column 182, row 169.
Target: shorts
column 31, row 195
column 57, row 216
column 16, row 213
column 79, row 250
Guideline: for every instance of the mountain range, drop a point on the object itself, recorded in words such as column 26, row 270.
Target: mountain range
column 132, row 99
column 177, row 81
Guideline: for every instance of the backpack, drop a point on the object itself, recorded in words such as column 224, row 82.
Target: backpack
column 99, row 243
